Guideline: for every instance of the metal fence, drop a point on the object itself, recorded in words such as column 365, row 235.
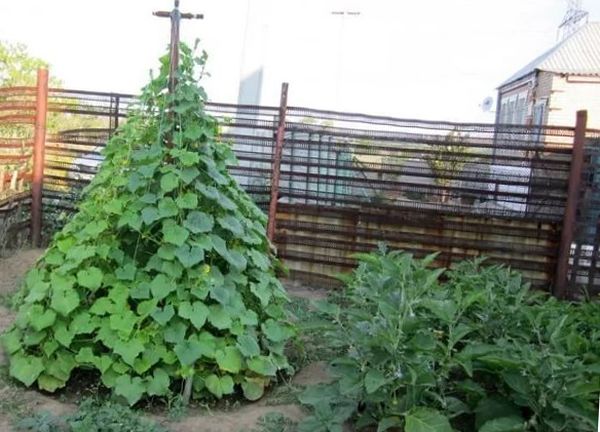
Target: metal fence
column 349, row 181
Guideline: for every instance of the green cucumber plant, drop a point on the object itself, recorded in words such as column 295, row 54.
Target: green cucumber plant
column 165, row 273
column 478, row 351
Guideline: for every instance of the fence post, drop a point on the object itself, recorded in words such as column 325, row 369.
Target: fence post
column 39, row 142
column 276, row 167
column 570, row 216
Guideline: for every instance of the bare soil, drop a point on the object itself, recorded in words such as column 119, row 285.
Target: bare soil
column 15, row 400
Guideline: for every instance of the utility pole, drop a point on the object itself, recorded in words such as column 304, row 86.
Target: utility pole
column 343, row 14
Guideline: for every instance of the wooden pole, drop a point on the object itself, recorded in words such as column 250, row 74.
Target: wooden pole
column 276, row 167
column 39, row 142
column 570, row 216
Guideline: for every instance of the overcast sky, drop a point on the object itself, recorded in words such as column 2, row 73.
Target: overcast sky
column 434, row 59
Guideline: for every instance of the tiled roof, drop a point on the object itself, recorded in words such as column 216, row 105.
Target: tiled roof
column 578, row 54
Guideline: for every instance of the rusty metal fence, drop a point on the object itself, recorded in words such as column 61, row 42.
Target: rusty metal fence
column 349, row 181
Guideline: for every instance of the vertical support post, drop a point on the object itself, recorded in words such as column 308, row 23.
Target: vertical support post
column 276, row 167
column 39, row 142
column 117, row 99
column 570, row 216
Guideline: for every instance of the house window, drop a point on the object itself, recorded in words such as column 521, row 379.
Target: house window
column 513, row 109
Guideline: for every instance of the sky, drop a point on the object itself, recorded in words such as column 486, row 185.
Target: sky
column 427, row 59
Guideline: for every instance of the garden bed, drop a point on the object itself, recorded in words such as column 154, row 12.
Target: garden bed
column 274, row 412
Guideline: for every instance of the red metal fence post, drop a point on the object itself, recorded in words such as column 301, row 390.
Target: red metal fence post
column 569, row 219
column 276, row 167
column 38, row 156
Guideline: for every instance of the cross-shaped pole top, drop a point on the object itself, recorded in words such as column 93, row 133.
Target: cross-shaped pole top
column 176, row 16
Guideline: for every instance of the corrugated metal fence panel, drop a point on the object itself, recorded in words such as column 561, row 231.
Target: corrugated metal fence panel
column 350, row 181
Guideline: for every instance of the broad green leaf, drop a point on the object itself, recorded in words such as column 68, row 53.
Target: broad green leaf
column 188, row 351
column 150, row 215
column 175, row 331
column 50, row 383
column 219, row 386
column 162, row 316
column 11, row 340
column 196, row 312
column 231, row 224
column 199, row 222
column 219, row 317
column 189, row 256
column 229, row 359
column 63, row 335
column 188, row 200
column 132, row 389
column 26, row 368
column 168, row 182
column 494, row 407
column 161, row 286
column 189, row 174
column 37, row 292
column 167, row 207
column 158, row 384
column 127, row 272
column 262, row 365
column 236, row 259
column 504, row 424
column 173, row 233
column 129, row 349
column 275, row 331
column 123, row 322
column 64, row 300
column 248, row 345
column 40, row 318
column 193, row 131
column 374, row 379
column 253, row 388
column 426, row 420
column 445, row 310
column 90, row 277
column 83, row 322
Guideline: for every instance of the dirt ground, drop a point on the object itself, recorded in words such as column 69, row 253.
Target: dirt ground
column 14, row 399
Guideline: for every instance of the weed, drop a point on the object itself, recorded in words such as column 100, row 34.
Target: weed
column 274, row 422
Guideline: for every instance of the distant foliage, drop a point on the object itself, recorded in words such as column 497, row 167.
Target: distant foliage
column 165, row 273
column 477, row 352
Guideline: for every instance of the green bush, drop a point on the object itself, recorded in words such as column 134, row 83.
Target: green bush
column 165, row 273
column 478, row 351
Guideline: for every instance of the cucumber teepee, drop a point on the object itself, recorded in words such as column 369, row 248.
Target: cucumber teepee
column 165, row 274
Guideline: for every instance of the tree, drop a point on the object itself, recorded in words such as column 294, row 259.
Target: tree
column 448, row 160
column 19, row 68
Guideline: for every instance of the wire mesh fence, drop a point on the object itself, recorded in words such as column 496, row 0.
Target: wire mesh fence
column 349, row 181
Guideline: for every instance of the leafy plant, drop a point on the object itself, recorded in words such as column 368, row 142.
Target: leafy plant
column 165, row 274
column 477, row 352
column 40, row 422
column 274, row 422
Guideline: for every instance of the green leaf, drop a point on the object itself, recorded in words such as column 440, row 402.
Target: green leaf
column 188, row 200
column 219, row 386
column 189, row 174
column 426, row 420
column 90, row 277
column 162, row 316
column 129, row 349
column 189, row 256
column 161, row 286
column 173, row 233
column 130, row 388
column 193, row 131
column 196, row 312
column 262, row 365
column 150, row 215
column 199, row 222
column 127, row 272
column 219, row 317
column 63, row 335
column 494, row 407
column 175, row 332
column 40, row 318
column 168, row 182
column 248, row 345
column 26, row 368
column 445, row 310
column 188, row 351
column 236, row 259
column 374, row 379
column 275, row 331
column 123, row 322
column 64, row 300
column 158, row 384
column 504, row 424
column 167, row 207
column 231, row 224
column 253, row 388
column 11, row 340
column 229, row 359
column 50, row 383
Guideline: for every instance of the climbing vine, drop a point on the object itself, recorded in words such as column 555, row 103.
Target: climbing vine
column 165, row 274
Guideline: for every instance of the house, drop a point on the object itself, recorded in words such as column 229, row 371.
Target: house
column 550, row 89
